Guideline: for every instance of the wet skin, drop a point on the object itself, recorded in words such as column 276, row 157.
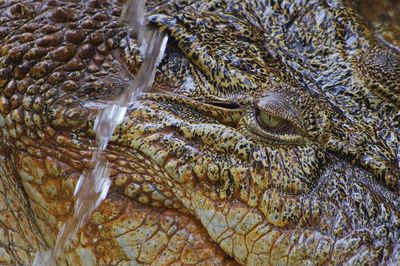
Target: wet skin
column 270, row 136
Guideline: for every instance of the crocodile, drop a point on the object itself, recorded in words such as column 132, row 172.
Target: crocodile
column 270, row 135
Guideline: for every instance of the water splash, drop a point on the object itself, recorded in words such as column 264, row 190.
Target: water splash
column 91, row 189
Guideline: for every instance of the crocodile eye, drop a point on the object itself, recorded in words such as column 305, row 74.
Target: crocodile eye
column 275, row 120
column 271, row 122
column 274, row 123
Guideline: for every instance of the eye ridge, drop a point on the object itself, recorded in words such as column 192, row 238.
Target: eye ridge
column 226, row 105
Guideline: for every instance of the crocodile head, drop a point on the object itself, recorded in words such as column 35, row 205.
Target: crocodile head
column 270, row 135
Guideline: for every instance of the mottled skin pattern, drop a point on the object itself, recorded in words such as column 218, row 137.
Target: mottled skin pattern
column 198, row 176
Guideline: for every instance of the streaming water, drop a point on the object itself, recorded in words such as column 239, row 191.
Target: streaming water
column 92, row 188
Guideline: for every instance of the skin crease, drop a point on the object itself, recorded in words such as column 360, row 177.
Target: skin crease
column 197, row 177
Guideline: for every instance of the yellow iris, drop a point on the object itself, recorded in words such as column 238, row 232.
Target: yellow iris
column 270, row 121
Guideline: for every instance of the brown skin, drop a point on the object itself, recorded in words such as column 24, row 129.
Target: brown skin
column 270, row 135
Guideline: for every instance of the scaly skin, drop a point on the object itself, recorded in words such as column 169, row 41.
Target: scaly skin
column 197, row 176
